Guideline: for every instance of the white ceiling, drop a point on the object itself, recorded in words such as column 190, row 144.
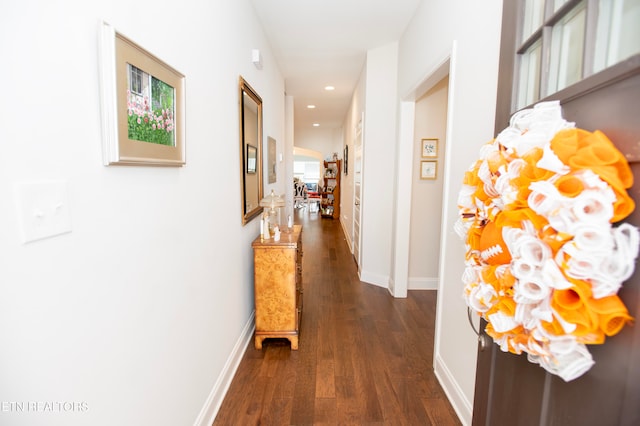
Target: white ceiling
column 324, row 42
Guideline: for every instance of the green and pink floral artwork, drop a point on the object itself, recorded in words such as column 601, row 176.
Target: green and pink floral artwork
column 150, row 108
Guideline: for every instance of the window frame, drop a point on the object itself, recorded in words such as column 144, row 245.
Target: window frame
column 509, row 66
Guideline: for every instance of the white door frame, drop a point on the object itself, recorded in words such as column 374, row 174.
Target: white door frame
column 399, row 281
column 358, row 161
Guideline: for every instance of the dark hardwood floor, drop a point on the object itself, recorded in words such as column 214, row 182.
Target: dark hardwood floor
column 365, row 358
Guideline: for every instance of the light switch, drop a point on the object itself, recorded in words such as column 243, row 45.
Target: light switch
column 43, row 209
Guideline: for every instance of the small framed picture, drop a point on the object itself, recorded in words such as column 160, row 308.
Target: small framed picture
column 252, row 155
column 271, row 155
column 428, row 169
column 346, row 159
column 429, row 148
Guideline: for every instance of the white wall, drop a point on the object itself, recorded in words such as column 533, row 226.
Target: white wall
column 137, row 311
column 317, row 139
column 354, row 115
column 288, row 155
column 474, row 28
column 426, row 195
column 379, row 163
column 337, row 142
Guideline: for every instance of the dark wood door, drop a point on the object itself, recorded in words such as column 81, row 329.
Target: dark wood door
column 510, row 390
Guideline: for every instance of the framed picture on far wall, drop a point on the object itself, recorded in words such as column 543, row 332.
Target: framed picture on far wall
column 346, row 159
column 271, row 157
column 252, row 157
column 429, row 148
column 428, row 169
column 143, row 110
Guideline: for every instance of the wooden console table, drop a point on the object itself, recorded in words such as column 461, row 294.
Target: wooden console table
column 278, row 286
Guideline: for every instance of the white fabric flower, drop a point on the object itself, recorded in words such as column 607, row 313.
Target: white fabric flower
column 551, row 162
column 481, row 297
column 533, row 127
column 502, row 322
column 571, row 365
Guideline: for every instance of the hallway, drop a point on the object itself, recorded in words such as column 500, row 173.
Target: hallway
column 365, row 358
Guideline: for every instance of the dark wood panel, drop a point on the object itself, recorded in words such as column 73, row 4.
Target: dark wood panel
column 505, row 68
column 614, row 381
column 520, row 387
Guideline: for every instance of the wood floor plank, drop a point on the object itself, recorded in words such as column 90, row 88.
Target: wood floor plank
column 325, row 411
column 278, row 412
column 347, row 405
column 440, row 412
column 364, row 357
column 325, row 379
column 410, row 403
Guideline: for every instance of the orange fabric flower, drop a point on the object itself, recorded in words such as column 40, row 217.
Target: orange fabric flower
column 569, row 185
column 612, row 313
column 581, row 150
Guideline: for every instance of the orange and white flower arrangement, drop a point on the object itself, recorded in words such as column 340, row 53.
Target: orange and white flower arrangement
column 544, row 262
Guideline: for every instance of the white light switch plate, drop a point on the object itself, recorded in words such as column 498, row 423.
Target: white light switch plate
column 43, row 209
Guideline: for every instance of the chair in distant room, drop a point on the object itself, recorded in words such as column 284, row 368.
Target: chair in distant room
column 313, row 197
column 299, row 194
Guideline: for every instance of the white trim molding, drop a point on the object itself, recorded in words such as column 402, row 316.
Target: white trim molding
column 375, row 279
column 423, row 283
column 216, row 396
column 462, row 406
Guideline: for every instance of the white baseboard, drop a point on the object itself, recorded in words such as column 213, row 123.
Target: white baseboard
column 216, row 396
column 463, row 407
column 375, row 279
column 347, row 237
column 421, row 283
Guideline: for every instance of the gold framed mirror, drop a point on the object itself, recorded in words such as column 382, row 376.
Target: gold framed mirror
column 250, row 151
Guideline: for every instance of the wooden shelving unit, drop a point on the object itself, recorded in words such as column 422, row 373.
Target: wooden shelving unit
column 330, row 194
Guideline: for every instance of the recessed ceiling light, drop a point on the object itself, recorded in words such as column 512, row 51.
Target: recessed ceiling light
column 329, row 88
column 316, row 124
column 311, row 106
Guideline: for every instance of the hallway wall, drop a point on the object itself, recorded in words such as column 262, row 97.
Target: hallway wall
column 378, row 163
column 137, row 311
column 354, row 115
column 318, row 139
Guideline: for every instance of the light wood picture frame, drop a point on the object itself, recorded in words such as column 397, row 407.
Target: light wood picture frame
column 428, row 169
column 143, row 105
column 429, row 147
